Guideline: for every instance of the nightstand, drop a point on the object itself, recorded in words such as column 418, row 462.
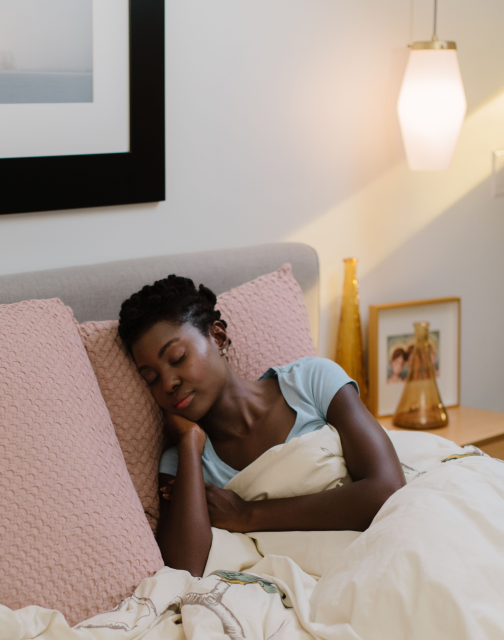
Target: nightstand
column 484, row 429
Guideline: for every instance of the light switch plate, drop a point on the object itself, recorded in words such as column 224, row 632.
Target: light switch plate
column 498, row 173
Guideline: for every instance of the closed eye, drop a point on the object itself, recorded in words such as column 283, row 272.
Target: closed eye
column 152, row 381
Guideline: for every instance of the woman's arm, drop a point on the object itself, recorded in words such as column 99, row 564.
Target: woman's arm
column 184, row 531
column 372, row 464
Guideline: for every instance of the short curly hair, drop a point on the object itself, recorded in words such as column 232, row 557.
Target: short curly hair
column 175, row 299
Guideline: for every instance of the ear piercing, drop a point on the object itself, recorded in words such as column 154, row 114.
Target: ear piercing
column 223, row 351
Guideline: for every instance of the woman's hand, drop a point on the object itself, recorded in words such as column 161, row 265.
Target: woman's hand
column 225, row 508
column 179, row 428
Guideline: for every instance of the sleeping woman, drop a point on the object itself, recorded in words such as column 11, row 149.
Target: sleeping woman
column 218, row 424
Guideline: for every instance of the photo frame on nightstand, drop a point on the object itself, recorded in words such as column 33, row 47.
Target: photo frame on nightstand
column 391, row 341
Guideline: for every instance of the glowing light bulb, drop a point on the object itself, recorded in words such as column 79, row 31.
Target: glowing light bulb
column 431, row 105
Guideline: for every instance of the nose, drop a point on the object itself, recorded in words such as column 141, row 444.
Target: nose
column 171, row 382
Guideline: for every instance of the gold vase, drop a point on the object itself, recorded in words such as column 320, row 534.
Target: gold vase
column 420, row 406
column 349, row 351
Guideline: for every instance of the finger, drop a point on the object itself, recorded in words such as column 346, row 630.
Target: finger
column 167, row 496
column 171, row 481
column 162, row 489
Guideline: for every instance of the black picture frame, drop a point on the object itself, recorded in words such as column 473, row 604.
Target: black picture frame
column 53, row 183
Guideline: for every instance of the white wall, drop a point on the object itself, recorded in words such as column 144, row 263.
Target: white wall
column 281, row 125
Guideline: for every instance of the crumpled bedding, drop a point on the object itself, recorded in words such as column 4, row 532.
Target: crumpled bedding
column 431, row 565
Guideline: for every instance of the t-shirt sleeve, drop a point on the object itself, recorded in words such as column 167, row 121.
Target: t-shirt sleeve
column 324, row 379
column 169, row 461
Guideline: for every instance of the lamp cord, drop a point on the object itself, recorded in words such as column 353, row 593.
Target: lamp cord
column 412, row 14
column 435, row 19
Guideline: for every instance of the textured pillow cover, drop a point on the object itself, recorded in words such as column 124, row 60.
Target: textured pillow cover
column 136, row 416
column 268, row 323
column 73, row 535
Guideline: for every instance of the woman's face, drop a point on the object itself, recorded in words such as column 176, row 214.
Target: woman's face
column 184, row 369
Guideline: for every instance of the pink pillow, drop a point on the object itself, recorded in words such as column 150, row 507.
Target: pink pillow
column 268, row 323
column 136, row 416
column 73, row 535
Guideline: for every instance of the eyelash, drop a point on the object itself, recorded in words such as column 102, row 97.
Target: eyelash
column 173, row 364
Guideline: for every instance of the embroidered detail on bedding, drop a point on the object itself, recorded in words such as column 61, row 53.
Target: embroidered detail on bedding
column 123, row 626
column 238, row 577
column 213, row 602
column 279, row 629
column 458, row 456
column 175, row 606
column 409, row 470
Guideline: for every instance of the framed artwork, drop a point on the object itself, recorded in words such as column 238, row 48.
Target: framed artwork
column 82, row 106
column 391, row 340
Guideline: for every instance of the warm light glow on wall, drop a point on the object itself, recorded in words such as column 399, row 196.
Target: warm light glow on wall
column 386, row 213
column 431, row 107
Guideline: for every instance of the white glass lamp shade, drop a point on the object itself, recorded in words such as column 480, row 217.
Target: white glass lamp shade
column 431, row 108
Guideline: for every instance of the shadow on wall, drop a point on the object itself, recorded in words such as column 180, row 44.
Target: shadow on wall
column 460, row 253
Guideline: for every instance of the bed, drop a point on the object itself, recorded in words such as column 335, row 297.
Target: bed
column 430, row 566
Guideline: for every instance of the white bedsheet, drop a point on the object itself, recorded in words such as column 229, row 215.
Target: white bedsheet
column 431, row 566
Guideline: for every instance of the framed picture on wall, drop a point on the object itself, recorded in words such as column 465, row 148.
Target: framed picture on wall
column 82, row 117
column 391, row 340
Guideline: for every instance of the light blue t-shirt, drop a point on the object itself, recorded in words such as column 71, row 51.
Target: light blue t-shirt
column 308, row 386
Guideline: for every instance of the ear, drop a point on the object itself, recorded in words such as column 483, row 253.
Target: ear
column 218, row 333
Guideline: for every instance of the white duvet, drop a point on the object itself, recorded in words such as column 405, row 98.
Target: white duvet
column 431, row 565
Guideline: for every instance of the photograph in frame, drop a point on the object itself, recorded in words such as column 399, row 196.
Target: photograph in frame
column 391, row 342
column 111, row 151
column 399, row 350
column 46, row 51
column 64, row 78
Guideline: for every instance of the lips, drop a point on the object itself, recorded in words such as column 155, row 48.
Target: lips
column 185, row 401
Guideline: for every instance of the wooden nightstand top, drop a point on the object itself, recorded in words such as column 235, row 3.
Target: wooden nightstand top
column 466, row 426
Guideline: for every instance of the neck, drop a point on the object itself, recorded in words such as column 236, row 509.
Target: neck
column 240, row 406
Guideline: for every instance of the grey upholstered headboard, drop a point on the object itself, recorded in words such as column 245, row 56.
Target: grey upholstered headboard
column 95, row 292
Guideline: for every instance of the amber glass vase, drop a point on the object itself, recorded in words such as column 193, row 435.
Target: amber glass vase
column 420, row 406
column 349, row 351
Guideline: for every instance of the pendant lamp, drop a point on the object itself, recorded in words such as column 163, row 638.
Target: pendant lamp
column 431, row 104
